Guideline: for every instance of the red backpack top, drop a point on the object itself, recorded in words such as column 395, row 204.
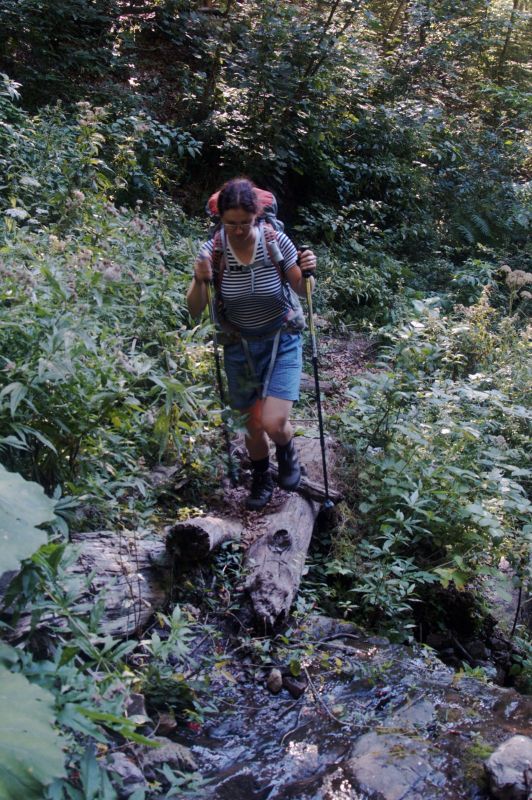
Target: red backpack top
column 266, row 202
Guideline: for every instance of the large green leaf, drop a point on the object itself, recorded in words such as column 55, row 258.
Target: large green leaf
column 23, row 505
column 30, row 749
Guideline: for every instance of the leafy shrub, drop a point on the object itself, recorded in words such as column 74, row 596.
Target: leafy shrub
column 437, row 441
column 99, row 374
column 356, row 284
column 97, row 367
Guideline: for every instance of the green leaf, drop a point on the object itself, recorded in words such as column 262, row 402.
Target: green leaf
column 23, row 506
column 30, row 750
column 295, row 667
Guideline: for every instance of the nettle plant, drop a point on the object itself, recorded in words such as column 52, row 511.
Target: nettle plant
column 100, row 375
column 65, row 690
column 437, row 440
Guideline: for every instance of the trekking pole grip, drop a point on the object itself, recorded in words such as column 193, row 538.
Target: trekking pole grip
column 307, row 273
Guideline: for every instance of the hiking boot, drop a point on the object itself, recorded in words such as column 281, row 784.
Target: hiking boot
column 261, row 490
column 289, row 468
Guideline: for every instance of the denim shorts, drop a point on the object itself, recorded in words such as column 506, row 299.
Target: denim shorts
column 245, row 387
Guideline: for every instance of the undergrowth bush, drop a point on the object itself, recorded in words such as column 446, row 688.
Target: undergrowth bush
column 357, row 286
column 436, row 439
column 100, row 374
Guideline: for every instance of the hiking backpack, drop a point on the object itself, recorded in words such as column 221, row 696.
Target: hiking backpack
column 267, row 204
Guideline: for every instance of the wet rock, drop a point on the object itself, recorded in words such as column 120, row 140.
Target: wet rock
column 415, row 714
column 166, row 723
column 274, row 682
column 175, row 755
column 295, row 686
column 321, row 627
column 392, row 767
column 136, row 708
column 130, row 776
column 400, row 725
column 242, row 786
column 509, row 769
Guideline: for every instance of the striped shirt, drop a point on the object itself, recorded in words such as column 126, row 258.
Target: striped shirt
column 253, row 295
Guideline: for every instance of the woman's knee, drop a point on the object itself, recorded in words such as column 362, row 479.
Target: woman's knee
column 254, row 424
column 275, row 421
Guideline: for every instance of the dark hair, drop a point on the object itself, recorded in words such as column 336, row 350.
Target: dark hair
column 238, row 193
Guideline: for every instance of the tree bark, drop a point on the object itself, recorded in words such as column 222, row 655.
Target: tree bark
column 199, row 536
column 276, row 560
column 129, row 571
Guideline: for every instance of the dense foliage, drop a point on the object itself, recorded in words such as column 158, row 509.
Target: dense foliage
column 394, row 134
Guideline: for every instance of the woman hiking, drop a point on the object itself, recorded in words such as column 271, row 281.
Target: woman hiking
column 263, row 363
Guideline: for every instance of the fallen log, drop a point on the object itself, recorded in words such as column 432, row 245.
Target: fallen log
column 128, row 571
column 312, row 490
column 308, row 384
column 131, row 572
column 275, row 561
column 198, row 536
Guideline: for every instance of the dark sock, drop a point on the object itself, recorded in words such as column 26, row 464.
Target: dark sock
column 262, row 465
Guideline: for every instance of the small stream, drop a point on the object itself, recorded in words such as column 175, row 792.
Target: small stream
column 376, row 721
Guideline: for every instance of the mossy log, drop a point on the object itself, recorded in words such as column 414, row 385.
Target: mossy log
column 128, row 571
column 275, row 561
column 198, row 536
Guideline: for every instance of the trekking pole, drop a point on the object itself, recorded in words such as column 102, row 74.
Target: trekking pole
column 307, row 274
column 212, row 316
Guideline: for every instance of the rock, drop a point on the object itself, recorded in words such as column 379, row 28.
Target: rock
column 294, row 686
column 509, row 769
column 414, row 714
column 175, row 755
column 131, row 777
column 274, row 682
column 136, row 708
column 166, row 723
column 392, row 767
column 477, row 650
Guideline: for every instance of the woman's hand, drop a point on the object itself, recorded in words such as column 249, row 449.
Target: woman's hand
column 306, row 260
column 203, row 269
column 197, row 291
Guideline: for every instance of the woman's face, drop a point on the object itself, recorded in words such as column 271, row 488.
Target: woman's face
column 238, row 224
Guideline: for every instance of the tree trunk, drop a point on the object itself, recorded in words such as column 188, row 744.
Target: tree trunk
column 276, row 560
column 506, row 45
column 199, row 536
column 395, row 21
column 129, row 571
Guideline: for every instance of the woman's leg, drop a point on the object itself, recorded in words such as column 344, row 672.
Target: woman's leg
column 258, row 449
column 276, row 423
column 256, row 439
column 275, row 419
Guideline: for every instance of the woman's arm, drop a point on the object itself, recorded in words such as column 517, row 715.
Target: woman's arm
column 197, row 291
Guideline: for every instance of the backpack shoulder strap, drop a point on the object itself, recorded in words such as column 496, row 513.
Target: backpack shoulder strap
column 270, row 238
